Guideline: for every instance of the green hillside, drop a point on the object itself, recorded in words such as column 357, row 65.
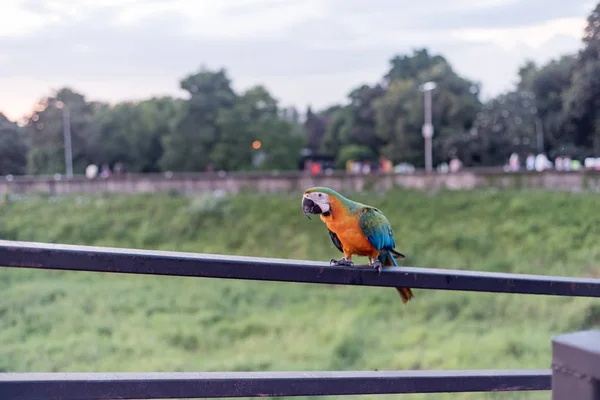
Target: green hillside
column 74, row 321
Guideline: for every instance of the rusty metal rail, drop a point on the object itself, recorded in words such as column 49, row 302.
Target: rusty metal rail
column 93, row 386
column 130, row 261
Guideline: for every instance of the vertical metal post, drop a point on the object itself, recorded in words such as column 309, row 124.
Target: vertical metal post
column 428, row 107
column 67, row 138
column 428, row 131
column 576, row 366
column 539, row 134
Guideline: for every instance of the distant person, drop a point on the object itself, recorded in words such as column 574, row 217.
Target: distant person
column 349, row 165
column 558, row 163
column 589, row 162
column 541, row 162
column 514, row 162
column 105, row 171
column 455, row 165
column 119, row 168
column 386, row 165
column 530, row 162
column 307, row 166
column 375, row 166
column 91, row 171
column 315, row 168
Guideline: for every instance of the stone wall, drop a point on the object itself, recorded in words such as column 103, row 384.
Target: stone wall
column 297, row 182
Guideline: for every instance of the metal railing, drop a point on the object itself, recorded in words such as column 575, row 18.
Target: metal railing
column 83, row 386
column 576, row 366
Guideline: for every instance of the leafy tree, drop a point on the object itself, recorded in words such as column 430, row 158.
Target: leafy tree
column 527, row 75
column 354, row 124
column 44, row 131
column 505, row 124
column 411, row 67
column 197, row 132
column 240, row 126
column 400, row 112
column 216, row 127
column 315, row 126
column 281, row 140
column 362, row 111
column 399, row 118
column 281, row 143
column 338, row 128
column 13, row 151
column 255, row 117
column 133, row 133
column 290, row 114
column 581, row 118
column 550, row 85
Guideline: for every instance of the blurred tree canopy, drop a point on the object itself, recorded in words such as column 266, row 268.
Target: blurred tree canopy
column 13, row 150
column 215, row 127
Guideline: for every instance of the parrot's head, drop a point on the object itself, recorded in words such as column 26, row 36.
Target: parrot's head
column 317, row 201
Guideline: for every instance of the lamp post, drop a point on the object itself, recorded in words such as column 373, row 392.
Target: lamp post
column 67, row 137
column 427, row 131
column 539, row 134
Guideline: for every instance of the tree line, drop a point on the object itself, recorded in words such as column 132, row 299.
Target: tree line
column 553, row 108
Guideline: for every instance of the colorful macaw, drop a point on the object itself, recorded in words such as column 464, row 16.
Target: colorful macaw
column 354, row 229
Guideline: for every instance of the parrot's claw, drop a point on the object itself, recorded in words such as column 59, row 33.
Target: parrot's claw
column 376, row 264
column 341, row 262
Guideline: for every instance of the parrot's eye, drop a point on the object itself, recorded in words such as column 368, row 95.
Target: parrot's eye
column 320, row 195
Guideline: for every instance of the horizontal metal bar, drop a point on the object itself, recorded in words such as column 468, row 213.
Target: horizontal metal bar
column 119, row 260
column 93, row 386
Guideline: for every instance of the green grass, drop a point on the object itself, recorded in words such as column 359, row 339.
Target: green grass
column 76, row 321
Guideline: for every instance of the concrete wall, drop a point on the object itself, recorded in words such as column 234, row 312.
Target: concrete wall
column 297, row 182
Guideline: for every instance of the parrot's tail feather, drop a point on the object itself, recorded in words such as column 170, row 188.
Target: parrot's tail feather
column 405, row 293
column 397, row 254
column 389, row 260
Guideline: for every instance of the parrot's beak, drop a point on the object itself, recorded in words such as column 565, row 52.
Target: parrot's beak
column 309, row 207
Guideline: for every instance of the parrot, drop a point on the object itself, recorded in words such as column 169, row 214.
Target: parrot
column 355, row 229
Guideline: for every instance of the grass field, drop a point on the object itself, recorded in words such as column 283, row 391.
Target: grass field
column 75, row 321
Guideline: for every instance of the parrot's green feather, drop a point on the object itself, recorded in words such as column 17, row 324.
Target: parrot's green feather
column 377, row 229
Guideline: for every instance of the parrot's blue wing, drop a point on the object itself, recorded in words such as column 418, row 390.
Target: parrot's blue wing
column 376, row 227
column 335, row 240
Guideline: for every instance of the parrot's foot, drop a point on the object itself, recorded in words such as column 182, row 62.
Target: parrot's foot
column 375, row 263
column 341, row 262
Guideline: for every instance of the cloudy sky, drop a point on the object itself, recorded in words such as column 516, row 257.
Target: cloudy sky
column 304, row 51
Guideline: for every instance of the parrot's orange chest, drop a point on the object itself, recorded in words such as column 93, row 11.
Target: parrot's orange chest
column 347, row 229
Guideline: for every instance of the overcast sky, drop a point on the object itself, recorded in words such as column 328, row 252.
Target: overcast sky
column 303, row 51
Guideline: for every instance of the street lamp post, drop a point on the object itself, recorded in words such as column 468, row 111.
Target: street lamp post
column 539, row 128
column 427, row 130
column 67, row 138
column 539, row 134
